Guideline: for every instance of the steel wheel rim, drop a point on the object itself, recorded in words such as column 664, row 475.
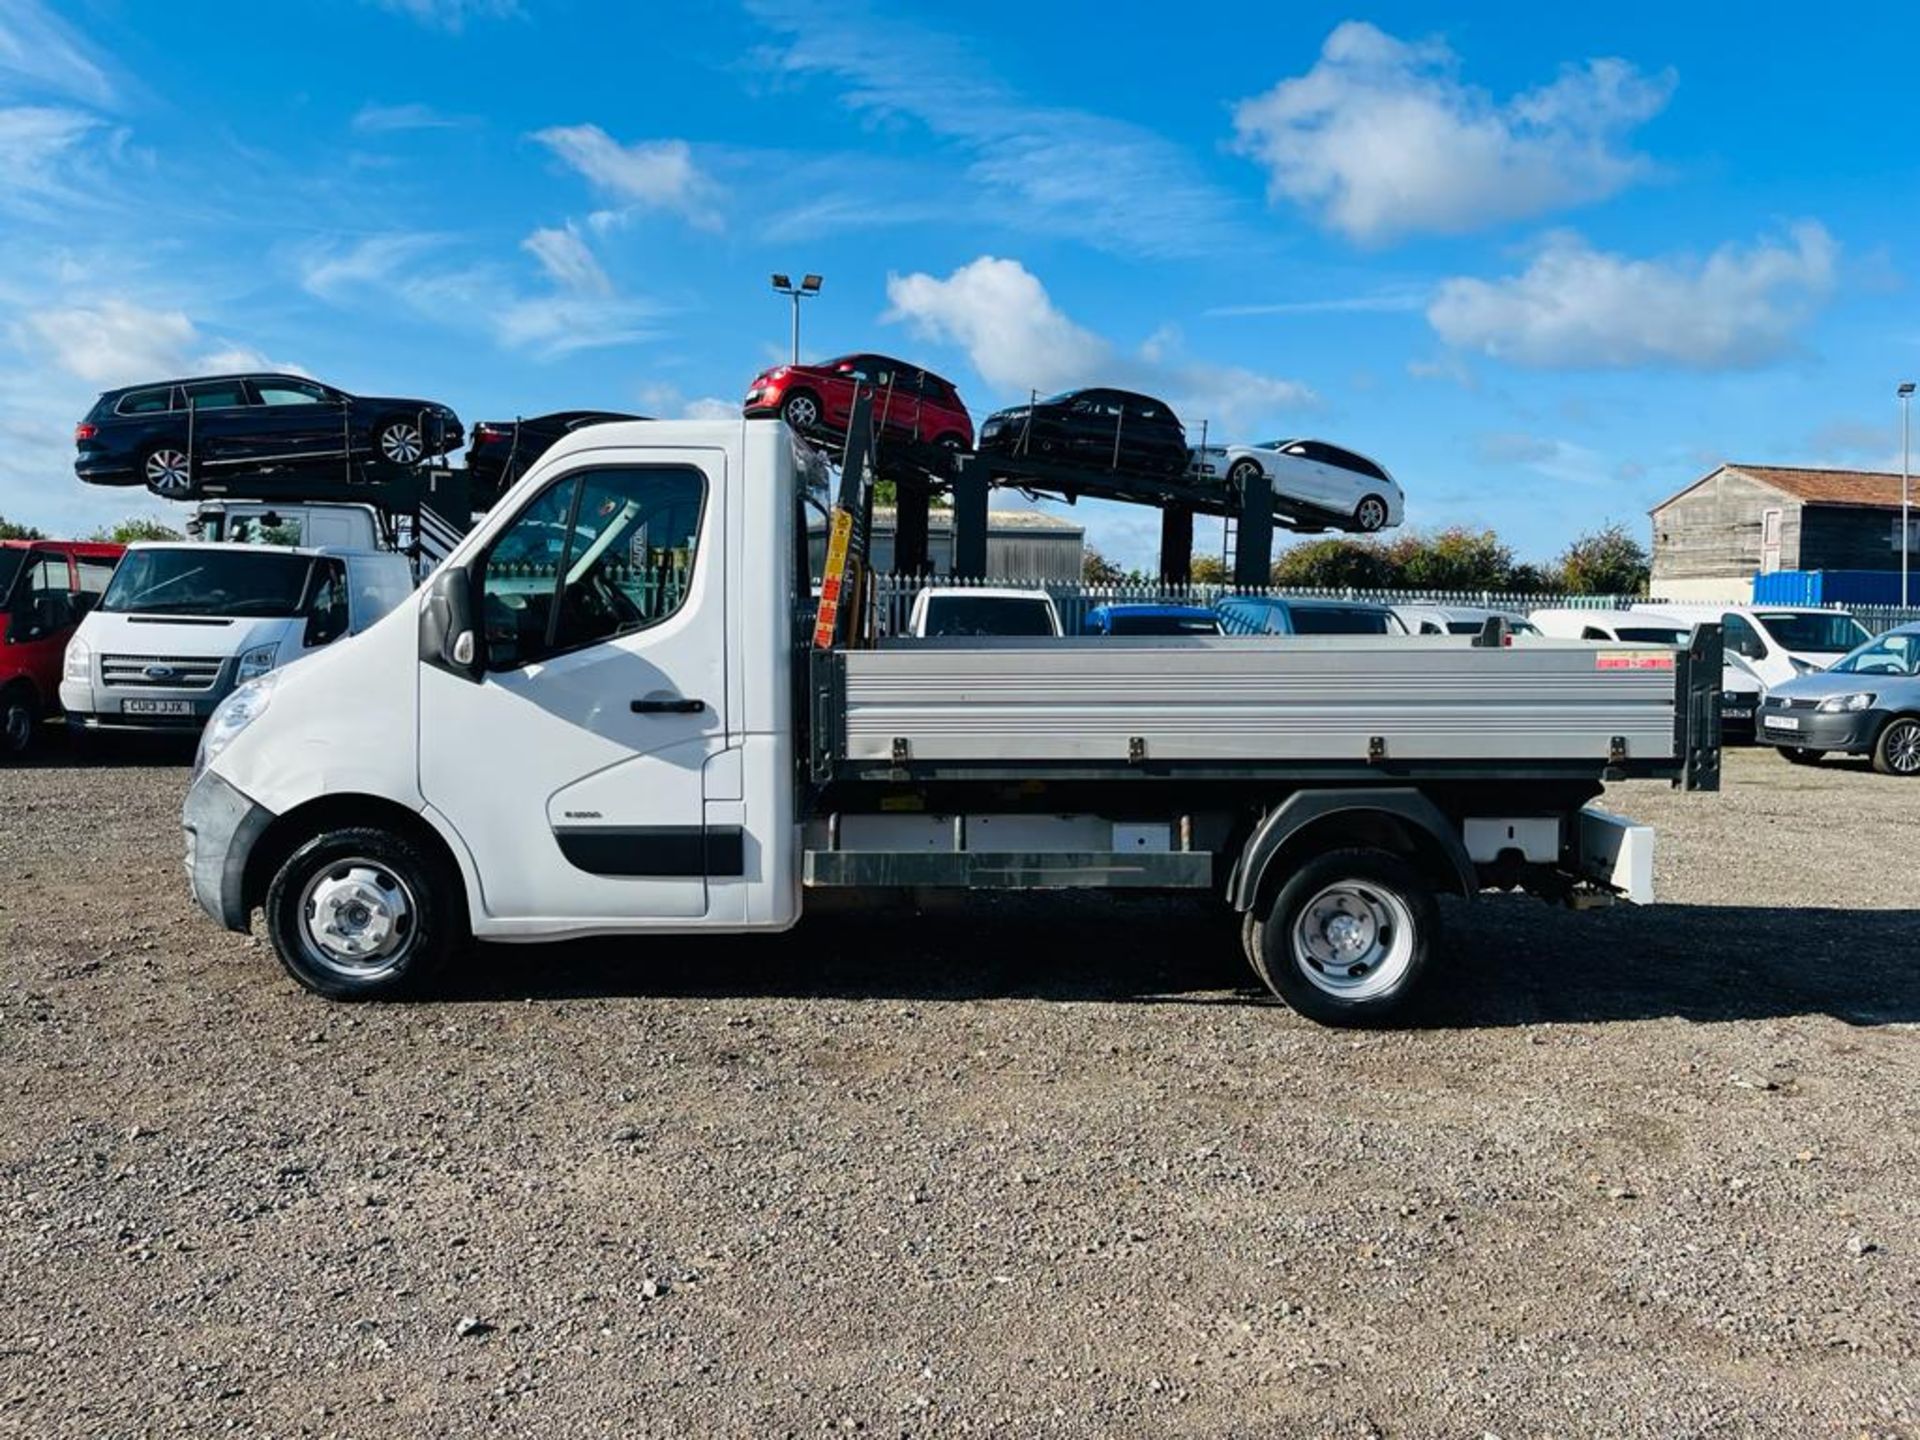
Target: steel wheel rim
column 1353, row 940
column 358, row 919
column 402, row 444
column 18, row 728
column 801, row 412
column 168, row 472
column 1903, row 748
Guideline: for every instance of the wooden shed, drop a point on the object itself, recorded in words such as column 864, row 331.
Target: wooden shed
column 1712, row 538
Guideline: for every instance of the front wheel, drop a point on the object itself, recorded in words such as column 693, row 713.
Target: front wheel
column 1348, row 938
column 18, row 723
column 1370, row 514
column 1897, row 752
column 400, row 442
column 801, row 411
column 363, row 914
column 1243, row 474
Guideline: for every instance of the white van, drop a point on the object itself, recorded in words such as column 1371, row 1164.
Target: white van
column 1741, row 687
column 181, row 625
column 318, row 525
column 982, row 610
column 1777, row 642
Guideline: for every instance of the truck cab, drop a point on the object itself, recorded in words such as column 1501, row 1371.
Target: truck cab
column 182, row 624
column 609, row 712
column 47, row 587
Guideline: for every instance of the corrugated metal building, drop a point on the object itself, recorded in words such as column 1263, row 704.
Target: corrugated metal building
column 1028, row 546
column 1712, row 538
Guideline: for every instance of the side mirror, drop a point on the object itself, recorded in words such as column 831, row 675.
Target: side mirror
column 450, row 639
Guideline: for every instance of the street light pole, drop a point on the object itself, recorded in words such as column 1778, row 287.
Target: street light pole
column 808, row 287
column 1906, row 525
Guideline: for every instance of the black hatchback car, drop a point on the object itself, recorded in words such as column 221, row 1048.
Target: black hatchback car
column 501, row 451
column 1103, row 429
column 177, row 434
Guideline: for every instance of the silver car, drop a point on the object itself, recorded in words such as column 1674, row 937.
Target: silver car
column 1865, row 703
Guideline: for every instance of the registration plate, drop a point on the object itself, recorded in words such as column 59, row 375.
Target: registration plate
column 1733, row 713
column 156, row 707
column 1781, row 722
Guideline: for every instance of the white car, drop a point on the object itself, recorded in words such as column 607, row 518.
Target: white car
column 982, row 610
column 1333, row 486
column 1459, row 619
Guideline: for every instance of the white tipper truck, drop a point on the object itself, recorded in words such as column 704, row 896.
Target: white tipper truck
column 609, row 712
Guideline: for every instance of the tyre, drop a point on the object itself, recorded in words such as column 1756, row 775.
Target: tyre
column 1897, row 751
column 1349, row 937
column 19, row 722
column 1797, row 756
column 167, row 471
column 399, row 441
column 950, row 440
column 364, row 914
column 801, row 410
column 1370, row 514
column 1243, row 474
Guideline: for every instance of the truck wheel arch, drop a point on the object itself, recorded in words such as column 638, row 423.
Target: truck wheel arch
column 288, row 832
column 1311, row 822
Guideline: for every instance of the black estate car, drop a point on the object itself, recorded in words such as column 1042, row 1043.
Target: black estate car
column 501, row 451
column 174, row 435
column 1104, row 429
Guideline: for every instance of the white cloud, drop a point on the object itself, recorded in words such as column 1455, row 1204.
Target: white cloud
column 38, row 146
column 568, row 261
column 452, row 15
column 372, row 119
column 1044, row 168
column 40, row 53
column 119, row 342
column 646, row 175
column 399, row 268
column 663, row 400
column 1577, row 307
column 1018, row 339
column 1382, row 139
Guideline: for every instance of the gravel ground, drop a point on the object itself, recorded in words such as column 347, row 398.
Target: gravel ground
column 1029, row 1169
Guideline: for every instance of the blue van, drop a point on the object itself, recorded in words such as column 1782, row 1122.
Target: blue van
column 1149, row 619
column 1279, row 615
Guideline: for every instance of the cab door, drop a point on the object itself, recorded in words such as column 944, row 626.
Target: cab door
column 572, row 769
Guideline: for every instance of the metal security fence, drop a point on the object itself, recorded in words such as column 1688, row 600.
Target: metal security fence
column 894, row 595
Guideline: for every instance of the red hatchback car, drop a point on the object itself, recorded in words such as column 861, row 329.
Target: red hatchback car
column 912, row 403
column 46, row 589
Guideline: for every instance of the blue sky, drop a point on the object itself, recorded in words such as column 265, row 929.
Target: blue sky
column 1547, row 263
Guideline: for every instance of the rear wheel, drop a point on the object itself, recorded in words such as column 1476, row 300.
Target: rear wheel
column 19, row 722
column 1370, row 514
column 167, row 471
column 1797, row 756
column 363, row 914
column 1897, row 752
column 1349, row 937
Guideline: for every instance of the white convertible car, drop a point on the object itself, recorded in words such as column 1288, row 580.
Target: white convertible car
column 1333, row 485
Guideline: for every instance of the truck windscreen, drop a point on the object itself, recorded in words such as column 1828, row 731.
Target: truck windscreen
column 208, row 581
column 1337, row 620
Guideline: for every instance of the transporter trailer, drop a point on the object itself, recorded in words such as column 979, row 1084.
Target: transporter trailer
column 622, row 707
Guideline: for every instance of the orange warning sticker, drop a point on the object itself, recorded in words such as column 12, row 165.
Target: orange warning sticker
column 1633, row 660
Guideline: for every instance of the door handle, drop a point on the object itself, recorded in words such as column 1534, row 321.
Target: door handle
column 670, row 706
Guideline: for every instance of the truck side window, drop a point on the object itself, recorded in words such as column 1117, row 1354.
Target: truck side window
column 327, row 613
column 602, row 554
column 1742, row 639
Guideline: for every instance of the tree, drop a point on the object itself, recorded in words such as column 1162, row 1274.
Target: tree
column 1096, row 569
column 11, row 531
column 1335, row 565
column 1209, row 570
column 1608, row 561
column 1453, row 559
column 137, row 527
